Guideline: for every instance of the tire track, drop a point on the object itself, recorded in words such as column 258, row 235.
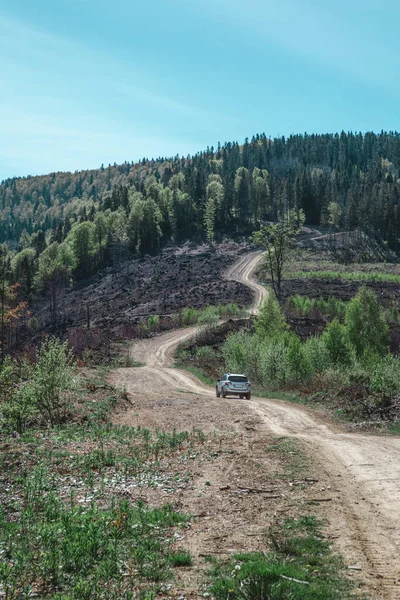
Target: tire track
column 367, row 501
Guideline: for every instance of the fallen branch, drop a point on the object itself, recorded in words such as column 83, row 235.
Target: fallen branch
column 256, row 490
column 320, row 499
column 295, row 580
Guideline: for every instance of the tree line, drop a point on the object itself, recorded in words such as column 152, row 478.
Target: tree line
column 227, row 189
column 64, row 227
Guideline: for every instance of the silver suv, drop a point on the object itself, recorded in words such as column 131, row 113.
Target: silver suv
column 233, row 384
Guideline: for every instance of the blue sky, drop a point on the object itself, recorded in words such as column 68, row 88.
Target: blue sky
column 86, row 82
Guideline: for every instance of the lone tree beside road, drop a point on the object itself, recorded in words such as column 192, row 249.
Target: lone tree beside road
column 278, row 242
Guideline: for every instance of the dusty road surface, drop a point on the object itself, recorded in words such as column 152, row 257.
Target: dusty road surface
column 359, row 475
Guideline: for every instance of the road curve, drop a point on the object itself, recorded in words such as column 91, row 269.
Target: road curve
column 364, row 469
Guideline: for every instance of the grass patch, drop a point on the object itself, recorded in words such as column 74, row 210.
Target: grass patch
column 66, row 530
column 181, row 559
column 295, row 460
column 394, row 428
column 345, row 275
column 197, row 372
column 300, row 566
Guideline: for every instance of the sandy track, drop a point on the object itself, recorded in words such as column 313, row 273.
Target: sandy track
column 364, row 471
column 243, row 271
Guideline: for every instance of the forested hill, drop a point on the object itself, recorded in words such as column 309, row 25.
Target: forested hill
column 216, row 192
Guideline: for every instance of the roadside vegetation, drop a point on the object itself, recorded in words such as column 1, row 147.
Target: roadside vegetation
column 350, row 360
column 300, row 566
column 68, row 526
column 75, row 522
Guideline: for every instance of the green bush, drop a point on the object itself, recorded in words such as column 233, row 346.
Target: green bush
column 205, row 352
column 317, row 354
column 181, row 559
column 153, row 322
column 305, row 306
column 366, row 325
column 299, row 366
column 336, row 340
column 235, row 350
column 270, row 321
column 274, row 363
column 385, row 376
column 190, row 316
column 209, row 316
column 230, row 310
column 54, row 378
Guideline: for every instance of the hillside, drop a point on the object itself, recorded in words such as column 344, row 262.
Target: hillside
column 218, row 191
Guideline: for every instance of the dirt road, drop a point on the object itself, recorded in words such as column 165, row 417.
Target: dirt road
column 363, row 471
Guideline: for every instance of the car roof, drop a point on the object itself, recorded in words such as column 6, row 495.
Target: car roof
column 236, row 374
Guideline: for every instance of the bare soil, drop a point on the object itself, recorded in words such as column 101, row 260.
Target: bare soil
column 358, row 476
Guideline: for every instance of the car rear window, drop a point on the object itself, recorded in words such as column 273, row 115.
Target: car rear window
column 237, row 378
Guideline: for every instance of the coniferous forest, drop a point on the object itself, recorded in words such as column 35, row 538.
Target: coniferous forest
column 69, row 225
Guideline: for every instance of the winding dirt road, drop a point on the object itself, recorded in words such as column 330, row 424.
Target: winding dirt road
column 363, row 470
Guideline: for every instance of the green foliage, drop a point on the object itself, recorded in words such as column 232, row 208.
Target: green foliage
column 206, row 352
column 366, row 324
column 235, row 351
column 33, row 323
column 82, row 240
column 23, row 267
column 181, row 559
column 153, row 322
column 278, row 242
column 318, row 354
column 305, row 306
column 54, row 379
column 144, row 229
column 209, row 316
column 190, row 316
column 54, row 267
column 80, row 550
column 346, row 276
column 271, row 320
column 217, row 192
column 301, row 567
column 299, row 366
column 337, row 342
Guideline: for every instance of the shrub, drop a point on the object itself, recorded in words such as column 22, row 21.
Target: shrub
column 54, row 376
column 299, row 366
column 366, row 324
column 385, row 377
column 336, row 340
column 209, row 316
column 230, row 310
column 317, row 354
column 153, row 322
column 33, row 324
column 234, row 351
column 205, row 352
column 270, row 321
column 181, row 559
column 190, row 316
column 274, row 363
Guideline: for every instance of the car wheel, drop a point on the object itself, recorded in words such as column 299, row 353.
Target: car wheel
column 248, row 396
column 223, row 394
column 217, row 393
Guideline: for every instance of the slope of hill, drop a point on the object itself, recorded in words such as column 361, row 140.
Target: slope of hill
column 219, row 190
